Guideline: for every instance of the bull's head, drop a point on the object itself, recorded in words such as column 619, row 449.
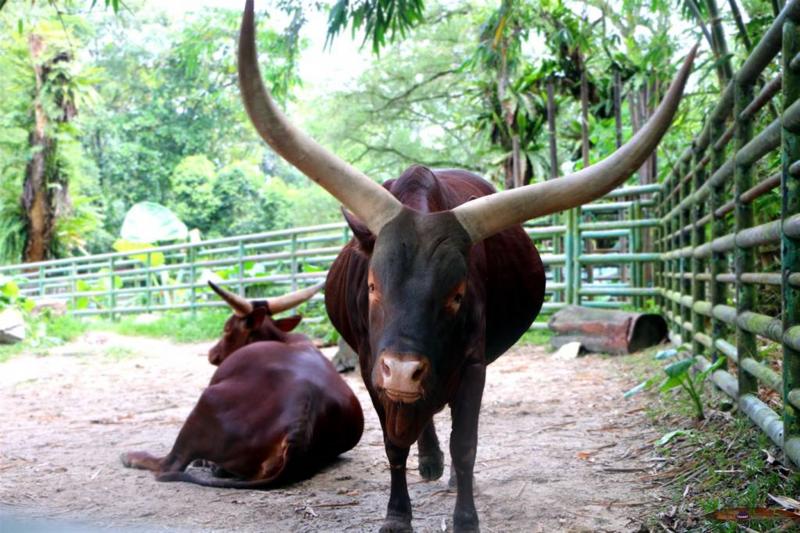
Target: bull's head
column 252, row 321
column 418, row 283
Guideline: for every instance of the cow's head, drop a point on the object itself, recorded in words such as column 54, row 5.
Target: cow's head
column 252, row 321
column 418, row 283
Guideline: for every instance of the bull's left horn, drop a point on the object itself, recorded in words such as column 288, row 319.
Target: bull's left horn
column 369, row 201
column 487, row 215
column 240, row 306
column 293, row 299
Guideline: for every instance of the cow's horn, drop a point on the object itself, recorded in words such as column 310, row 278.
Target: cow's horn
column 369, row 201
column 487, row 215
column 293, row 299
column 240, row 306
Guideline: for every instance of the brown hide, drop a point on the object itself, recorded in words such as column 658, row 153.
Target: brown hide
column 273, row 412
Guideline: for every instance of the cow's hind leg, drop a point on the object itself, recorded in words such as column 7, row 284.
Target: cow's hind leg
column 157, row 465
column 464, row 444
column 431, row 458
column 398, row 513
column 141, row 460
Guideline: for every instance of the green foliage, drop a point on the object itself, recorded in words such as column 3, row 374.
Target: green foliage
column 378, row 17
column 679, row 374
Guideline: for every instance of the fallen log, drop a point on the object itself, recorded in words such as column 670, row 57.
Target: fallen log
column 607, row 331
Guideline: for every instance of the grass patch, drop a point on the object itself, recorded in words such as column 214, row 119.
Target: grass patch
column 725, row 460
column 205, row 325
column 118, row 353
column 538, row 337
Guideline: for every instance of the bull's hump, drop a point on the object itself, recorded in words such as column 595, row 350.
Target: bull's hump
column 428, row 191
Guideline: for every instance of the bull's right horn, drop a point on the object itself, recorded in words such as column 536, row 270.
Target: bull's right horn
column 369, row 201
column 293, row 299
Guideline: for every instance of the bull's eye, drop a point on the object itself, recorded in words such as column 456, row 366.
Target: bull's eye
column 453, row 302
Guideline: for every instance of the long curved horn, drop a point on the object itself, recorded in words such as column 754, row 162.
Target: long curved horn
column 240, row 306
column 487, row 215
column 293, row 299
column 369, row 201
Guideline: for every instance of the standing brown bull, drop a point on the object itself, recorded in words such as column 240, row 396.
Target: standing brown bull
column 439, row 280
column 275, row 410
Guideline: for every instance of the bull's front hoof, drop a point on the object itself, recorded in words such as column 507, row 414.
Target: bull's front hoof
column 396, row 525
column 125, row 458
column 465, row 522
column 431, row 467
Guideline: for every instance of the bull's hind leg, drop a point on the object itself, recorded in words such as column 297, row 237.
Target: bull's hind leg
column 431, row 458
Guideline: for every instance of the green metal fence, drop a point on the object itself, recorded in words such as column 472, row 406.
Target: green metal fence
column 730, row 270
column 173, row 278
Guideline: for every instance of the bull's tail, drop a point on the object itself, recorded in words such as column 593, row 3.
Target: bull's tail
column 219, row 483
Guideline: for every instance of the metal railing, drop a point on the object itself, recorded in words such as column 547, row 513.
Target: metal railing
column 173, row 277
column 729, row 274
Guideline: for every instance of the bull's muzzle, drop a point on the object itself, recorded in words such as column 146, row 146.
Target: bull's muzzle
column 401, row 376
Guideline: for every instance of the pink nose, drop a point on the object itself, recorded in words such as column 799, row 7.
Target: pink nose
column 401, row 376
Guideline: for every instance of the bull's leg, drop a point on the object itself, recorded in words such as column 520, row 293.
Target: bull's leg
column 398, row 513
column 464, row 443
column 431, row 458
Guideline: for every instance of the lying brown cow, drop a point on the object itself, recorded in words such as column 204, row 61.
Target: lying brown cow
column 276, row 410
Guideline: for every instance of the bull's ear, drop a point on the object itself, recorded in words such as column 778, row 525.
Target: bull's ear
column 365, row 238
column 256, row 319
column 289, row 323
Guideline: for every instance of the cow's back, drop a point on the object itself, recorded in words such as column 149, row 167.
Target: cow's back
column 271, row 389
column 515, row 278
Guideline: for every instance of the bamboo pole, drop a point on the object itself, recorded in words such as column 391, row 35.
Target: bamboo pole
column 744, row 258
column 790, row 256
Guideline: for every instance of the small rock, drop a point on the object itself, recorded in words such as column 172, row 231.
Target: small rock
column 12, row 326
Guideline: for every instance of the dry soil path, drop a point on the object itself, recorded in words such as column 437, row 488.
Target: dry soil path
column 558, row 449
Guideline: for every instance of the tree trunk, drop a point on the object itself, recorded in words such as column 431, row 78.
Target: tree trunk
column 618, row 107
column 45, row 189
column 719, row 44
column 585, row 144
column 551, row 129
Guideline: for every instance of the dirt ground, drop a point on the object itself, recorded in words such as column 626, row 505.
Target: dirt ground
column 559, row 450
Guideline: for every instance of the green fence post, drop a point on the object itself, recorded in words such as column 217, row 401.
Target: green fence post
column 74, row 284
column 193, row 280
column 241, row 267
column 697, row 237
column 112, row 289
column 744, row 258
column 577, row 243
column 718, row 291
column 790, row 249
column 569, row 249
column 558, row 248
column 684, row 240
column 672, row 245
column 293, row 272
column 149, row 283
column 41, row 280
column 635, row 246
